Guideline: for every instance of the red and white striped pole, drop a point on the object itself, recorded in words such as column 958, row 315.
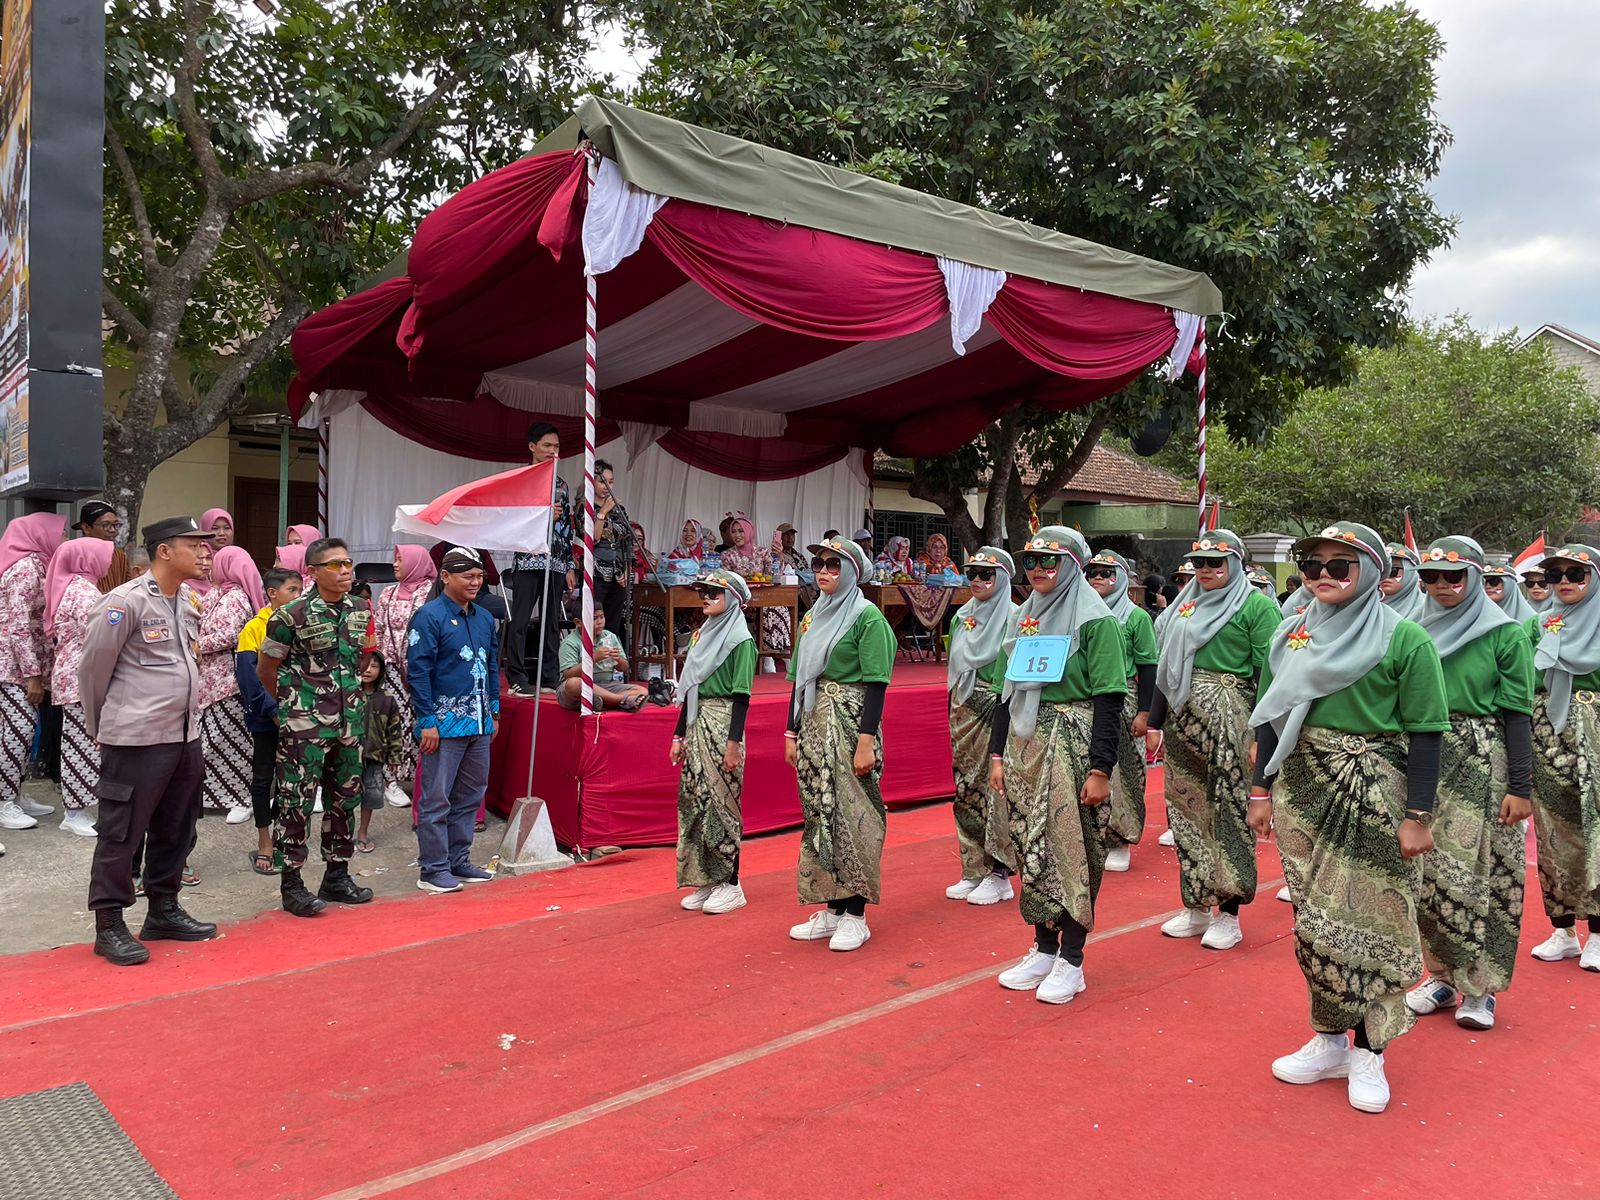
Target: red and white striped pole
column 1200, row 350
column 322, row 477
column 591, row 402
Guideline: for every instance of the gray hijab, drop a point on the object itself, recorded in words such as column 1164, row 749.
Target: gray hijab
column 981, row 625
column 1299, row 600
column 828, row 621
column 714, row 641
column 1331, row 647
column 1476, row 615
column 1513, row 603
column 1121, row 607
column 1061, row 613
column 1197, row 616
column 1571, row 642
column 1408, row 601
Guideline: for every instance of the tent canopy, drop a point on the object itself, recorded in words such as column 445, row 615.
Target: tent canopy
column 759, row 314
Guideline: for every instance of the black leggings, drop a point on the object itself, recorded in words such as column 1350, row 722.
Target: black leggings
column 734, row 878
column 855, row 906
column 263, row 763
column 1068, row 941
column 1570, row 920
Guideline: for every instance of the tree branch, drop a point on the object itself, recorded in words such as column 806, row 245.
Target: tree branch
column 263, row 259
column 949, row 499
column 1051, row 485
column 141, row 214
column 195, row 13
column 111, row 304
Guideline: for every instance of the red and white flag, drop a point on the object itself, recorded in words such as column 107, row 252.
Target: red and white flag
column 509, row 511
column 1529, row 558
column 1411, row 538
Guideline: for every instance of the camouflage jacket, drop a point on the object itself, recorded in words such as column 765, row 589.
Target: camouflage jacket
column 322, row 646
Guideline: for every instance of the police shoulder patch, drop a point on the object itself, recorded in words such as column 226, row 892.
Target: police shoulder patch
column 114, row 616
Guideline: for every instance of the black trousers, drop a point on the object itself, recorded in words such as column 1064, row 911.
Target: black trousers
column 263, row 765
column 50, row 740
column 150, row 793
column 535, row 607
column 609, row 597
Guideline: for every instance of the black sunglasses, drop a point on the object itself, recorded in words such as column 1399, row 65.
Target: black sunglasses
column 1534, row 581
column 1337, row 569
column 706, row 592
column 1198, row 563
column 1396, row 568
column 827, row 564
column 1048, row 562
column 1494, row 581
column 1569, row 574
column 980, row 574
column 1100, row 573
column 1430, row 577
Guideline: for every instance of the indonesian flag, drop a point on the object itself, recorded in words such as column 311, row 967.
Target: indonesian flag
column 509, row 511
column 1411, row 538
column 1215, row 518
column 1530, row 557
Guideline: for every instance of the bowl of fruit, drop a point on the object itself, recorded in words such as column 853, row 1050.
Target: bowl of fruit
column 759, row 579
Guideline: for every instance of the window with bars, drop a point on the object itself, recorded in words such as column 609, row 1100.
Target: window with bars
column 916, row 526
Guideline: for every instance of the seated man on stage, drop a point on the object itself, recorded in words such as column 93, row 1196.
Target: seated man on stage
column 611, row 686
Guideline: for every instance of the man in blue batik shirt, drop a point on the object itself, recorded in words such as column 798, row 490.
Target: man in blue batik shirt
column 453, row 671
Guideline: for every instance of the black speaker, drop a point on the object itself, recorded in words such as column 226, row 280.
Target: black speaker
column 1154, row 435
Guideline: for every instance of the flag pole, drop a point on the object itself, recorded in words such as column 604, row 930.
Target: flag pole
column 544, row 600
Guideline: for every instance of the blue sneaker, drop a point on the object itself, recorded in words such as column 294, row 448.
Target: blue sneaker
column 438, row 883
column 467, row 873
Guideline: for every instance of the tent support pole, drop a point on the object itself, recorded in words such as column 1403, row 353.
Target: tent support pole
column 1200, row 345
column 538, row 670
column 590, row 404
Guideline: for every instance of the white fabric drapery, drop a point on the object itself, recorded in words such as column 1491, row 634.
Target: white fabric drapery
column 615, row 219
column 1189, row 327
column 970, row 291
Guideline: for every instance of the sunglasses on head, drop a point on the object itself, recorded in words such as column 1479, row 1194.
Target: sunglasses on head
column 827, row 564
column 707, row 592
column 1206, row 564
column 980, row 574
column 1338, row 569
column 1100, row 573
column 1569, row 574
column 1047, row 562
column 1430, row 577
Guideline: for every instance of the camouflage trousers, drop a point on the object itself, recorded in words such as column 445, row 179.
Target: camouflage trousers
column 305, row 765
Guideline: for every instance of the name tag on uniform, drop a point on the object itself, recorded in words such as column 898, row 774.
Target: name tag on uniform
column 157, row 633
column 1039, row 660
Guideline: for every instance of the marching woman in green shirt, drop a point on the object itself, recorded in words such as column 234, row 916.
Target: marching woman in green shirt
column 1566, row 738
column 1108, row 574
column 1470, row 906
column 1349, row 726
column 988, row 860
column 1400, row 588
column 843, row 657
column 708, row 745
column 1052, row 750
column 1213, row 646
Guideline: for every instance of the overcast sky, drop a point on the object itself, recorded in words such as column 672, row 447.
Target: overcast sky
column 1519, row 87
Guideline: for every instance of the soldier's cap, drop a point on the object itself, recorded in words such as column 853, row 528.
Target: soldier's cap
column 93, row 511
column 461, row 558
column 168, row 528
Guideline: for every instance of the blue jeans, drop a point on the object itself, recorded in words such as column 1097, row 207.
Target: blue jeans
column 454, row 778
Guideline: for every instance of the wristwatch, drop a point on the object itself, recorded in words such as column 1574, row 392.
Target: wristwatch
column 1420, row 817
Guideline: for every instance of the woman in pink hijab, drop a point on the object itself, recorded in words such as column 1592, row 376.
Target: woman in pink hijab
column 301, row 535
column 235, row 597
column 414, row 569
column 25, row 552
column 293, row 558
column 220, row 522
column 71, row 590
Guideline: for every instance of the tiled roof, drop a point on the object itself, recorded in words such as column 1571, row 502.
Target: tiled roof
column 1108, row 475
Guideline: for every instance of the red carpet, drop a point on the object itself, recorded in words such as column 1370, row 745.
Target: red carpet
column 620, row 1046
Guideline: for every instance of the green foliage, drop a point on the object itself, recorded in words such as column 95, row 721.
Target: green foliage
column 1476, row 436
column 1281, row 146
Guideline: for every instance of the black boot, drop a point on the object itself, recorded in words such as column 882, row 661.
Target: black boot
column 297, row 900
column 166, row 921
column 340, row 888
column 114, row 943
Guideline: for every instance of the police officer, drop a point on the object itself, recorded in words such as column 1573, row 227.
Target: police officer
column 139, row 682
column 315, row 650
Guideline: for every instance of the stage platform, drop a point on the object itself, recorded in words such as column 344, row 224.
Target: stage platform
column 607, row 781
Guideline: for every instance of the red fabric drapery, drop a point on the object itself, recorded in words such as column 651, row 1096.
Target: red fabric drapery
column 483, row 429
column 1083, row 335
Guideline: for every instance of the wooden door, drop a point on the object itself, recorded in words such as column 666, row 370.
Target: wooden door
column 255, row 507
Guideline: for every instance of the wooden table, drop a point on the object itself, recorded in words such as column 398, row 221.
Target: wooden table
column 684, row 599
column 893, row 605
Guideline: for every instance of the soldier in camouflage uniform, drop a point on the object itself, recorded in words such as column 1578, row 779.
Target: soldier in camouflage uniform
column 314, row 653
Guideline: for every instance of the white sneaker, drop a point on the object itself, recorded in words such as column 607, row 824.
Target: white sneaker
column 1591, row 953
column 79, row 821
column 317, row 807
column 696, row 900
column 1562, row 943
column 821, row 925
column 396, row 797
column 1166, row 839
column 1283, row 894
column 1223, row 933
column 12, row 816
column 237, row 816
column 2, row 849
column 1476, row 1012
column 992, row 890
column 1191, row 922
column 960, row 891
column 852, row 933
column 1063, row 983
column 1119, row 859
column 32, row 807
column 1431, row 995
column 1325, row 1056
column 724, row 898
column 1369, row 1088
column 1028, row 974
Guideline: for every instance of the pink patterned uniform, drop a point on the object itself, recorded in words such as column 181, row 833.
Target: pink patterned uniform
column 24, row 652
column 72, row 625
column 223, row 613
